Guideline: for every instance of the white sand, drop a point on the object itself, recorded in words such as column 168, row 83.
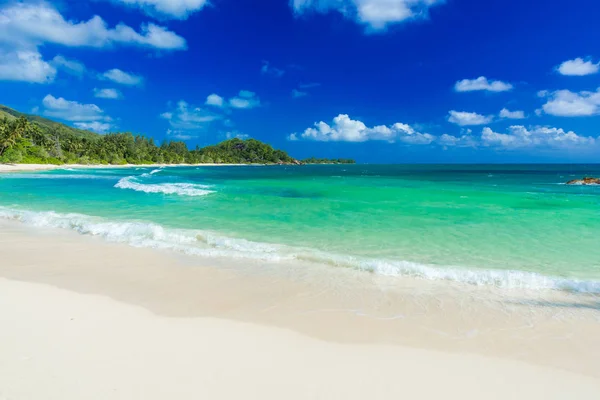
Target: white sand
column 47, row 167
column 26, row 167
column 56, row 344
column 84, row 319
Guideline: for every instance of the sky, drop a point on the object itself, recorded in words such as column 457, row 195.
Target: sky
column 381, row 81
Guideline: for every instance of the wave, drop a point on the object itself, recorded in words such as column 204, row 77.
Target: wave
column 210, row 244
column 182, row 189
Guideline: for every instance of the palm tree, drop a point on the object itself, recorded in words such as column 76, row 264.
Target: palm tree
column 11, row 131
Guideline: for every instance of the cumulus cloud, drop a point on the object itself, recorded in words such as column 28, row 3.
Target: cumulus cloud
column 96, row 126
column 464, row 118
column 578, row 67
column 345, row 129
column 465, row 139
column 505, row 113
column 122, row 77
column 376, row 15
column 25, row 66
column 58, row 107
column 520, row 137
column 215, row 100
column 564, row 103
column 28, row 25
column 71, row 67
column 84, row 116
column 186, row 117
column 107, row 93
column 482, row 83
column 245, row 100
column 175, row 9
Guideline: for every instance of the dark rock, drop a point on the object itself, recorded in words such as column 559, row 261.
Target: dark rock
column 585, row 181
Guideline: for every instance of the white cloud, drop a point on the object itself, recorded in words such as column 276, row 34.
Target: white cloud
column 185, row 117
column 215, row 100
column 520, row 137
column 28, row 25
column 71, row 110
column 25, row 66
column 464, row 118
column 181, row 135
column 72, row 67
column 107, row 93
column 375, row 14
column 505, row 113
column 464, row 140
column 122, row 77
column 177, row 9
column 245, row 100
column 236, row 135
column 298, row 93
column 578, row 67
column 344, row 129
column 482, row 83
column 543, row 93
column 564, row 103
column 267, row 69
column 96, row 126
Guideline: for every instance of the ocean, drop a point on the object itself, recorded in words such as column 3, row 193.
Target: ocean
column 508, row 226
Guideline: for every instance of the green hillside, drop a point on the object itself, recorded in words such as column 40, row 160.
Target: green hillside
column 31, row 139
column 45, row 124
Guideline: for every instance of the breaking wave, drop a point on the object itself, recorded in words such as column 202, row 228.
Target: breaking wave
column 182, row 189
column 209, row 244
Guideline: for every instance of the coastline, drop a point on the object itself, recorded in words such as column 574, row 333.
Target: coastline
column 334, row 307
column 4, row 168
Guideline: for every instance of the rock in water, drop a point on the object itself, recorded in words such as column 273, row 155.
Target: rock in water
column 585, row 181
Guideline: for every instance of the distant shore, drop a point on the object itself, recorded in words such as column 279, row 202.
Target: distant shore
column 49, row 167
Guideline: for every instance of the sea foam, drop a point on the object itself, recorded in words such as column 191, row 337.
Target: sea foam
column 182, row 189
column 210, row 244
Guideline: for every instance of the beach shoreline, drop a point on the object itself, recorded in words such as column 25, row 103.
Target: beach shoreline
column 4, row 168
column 338, row 306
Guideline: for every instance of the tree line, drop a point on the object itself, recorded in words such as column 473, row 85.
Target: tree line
column 22, row 141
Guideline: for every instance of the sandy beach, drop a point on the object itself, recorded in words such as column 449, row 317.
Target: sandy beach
column 49, row 167
column 100, row 320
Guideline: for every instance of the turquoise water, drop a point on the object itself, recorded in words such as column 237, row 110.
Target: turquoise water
column 511, row 226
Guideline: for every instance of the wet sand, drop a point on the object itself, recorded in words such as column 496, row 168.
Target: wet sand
column 86, row 318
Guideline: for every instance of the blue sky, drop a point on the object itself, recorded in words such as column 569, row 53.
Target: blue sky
column 377, row 80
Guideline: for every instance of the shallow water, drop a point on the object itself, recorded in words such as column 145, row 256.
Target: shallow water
column 507, row 226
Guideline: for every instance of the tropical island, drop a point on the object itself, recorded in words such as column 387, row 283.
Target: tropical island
column 31, row 139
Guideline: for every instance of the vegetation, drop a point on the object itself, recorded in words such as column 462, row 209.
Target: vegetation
column 35, row 140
